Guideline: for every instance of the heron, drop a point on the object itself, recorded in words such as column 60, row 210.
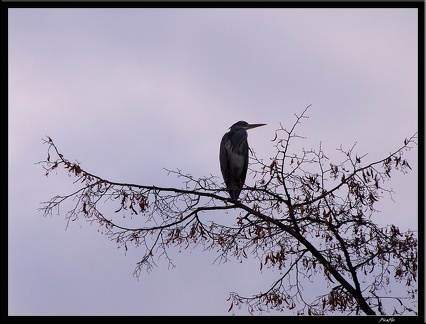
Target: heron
column 234, row 156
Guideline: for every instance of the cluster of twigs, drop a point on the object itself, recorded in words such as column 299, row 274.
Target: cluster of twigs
column 305, row 216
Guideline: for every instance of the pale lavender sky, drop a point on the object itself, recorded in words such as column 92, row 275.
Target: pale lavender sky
column 128, row 92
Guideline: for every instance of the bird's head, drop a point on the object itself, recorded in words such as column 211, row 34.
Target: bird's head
column 244, row 125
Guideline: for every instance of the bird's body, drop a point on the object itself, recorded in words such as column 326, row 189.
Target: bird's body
column 234, row 156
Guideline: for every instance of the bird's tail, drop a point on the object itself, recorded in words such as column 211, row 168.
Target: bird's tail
column 235, row 194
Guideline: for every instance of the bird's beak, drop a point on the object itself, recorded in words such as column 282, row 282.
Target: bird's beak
column 254, row 126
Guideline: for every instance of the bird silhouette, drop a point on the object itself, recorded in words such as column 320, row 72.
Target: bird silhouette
column 234, row 156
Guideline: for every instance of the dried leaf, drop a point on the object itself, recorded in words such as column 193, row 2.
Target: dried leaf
column 232, row 305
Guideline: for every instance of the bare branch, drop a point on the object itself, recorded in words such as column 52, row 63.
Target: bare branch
column 306, row 216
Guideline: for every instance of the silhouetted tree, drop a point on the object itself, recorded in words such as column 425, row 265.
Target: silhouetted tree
column 307, row 216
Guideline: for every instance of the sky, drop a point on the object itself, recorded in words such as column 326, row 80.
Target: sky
column 129, row 92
